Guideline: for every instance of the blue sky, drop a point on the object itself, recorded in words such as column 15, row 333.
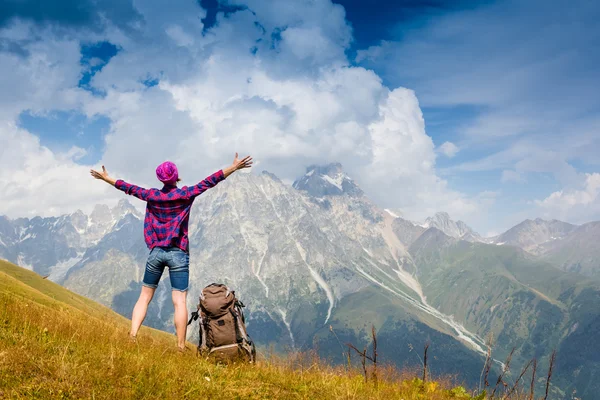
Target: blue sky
column 507, row 90
column 491, row 76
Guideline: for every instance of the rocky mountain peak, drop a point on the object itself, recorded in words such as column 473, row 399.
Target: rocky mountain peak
column 440, row 217
column 456, row 229
column 327, row 180
column 79, row 220
column 123, row 208
column 530, row 234
column 101, row 214
column 271, row 175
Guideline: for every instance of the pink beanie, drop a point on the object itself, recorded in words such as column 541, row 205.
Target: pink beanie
column 167, row 173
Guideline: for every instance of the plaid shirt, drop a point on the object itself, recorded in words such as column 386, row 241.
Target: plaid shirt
column 168, row 210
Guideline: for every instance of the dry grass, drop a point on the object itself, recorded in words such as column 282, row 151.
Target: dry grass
column 58, row 345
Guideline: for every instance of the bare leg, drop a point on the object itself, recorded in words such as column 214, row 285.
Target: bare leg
column 181, row 314
column 140, row 309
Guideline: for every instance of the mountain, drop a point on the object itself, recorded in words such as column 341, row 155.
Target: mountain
column 519, row 300
column 51, row 246
column 571, row 248
column 576, row 251
column 327, row 180
column 319, row 255
column 455, row 229
column 530, row 234
column 299, row 266
column 406, row 231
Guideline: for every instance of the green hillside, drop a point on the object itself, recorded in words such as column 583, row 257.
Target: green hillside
column 55, row 344
column 399, row 333
column 521, row 301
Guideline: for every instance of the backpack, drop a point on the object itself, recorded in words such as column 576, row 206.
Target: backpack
column 222, row 325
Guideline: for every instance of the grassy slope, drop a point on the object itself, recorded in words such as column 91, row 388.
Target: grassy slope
column 56, row 344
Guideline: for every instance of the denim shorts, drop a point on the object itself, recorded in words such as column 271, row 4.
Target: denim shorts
column 178, row 262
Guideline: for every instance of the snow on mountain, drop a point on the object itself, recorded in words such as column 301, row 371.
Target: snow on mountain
column 327, row 180
column 52, row 245
column 393, row 213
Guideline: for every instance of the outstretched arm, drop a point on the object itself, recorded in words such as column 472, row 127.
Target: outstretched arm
column 128, row 188
column 238, row 164
column 103, row 176
column 217, row 177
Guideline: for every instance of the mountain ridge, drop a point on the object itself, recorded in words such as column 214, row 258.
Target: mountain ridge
column 305, row 259
column 530, row 234
column 457, row 229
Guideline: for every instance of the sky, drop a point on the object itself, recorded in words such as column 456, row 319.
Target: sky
column 488, row 110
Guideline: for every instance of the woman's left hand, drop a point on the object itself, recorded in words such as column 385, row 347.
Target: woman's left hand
column 245, row 162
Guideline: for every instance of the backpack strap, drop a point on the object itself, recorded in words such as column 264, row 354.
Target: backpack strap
column 240, row 332
column 202, row 340
column 238, row 306
column 195, row 315
column 242, row 337
column 202, row 345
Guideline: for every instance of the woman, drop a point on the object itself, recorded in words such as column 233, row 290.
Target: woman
column 166, row 235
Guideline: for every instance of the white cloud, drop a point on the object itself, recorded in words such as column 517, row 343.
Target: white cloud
column 578, row 204
column 294, row 103
column 74, row 153
column 402, row 171
column 179, row 36
column 521, row 106
column 43, row 75
column 448, row 149
column 36, row 181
